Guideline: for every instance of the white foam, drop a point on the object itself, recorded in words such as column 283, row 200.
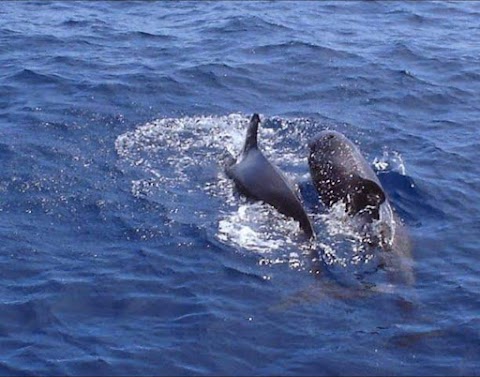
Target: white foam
column 177, row 155
column 344, row 244
column 258, row 227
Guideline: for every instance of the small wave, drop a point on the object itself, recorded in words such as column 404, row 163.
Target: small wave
column 147, row 36
column 465, row 76
column 31, row 76
column 409, row 16
column 249, row 23
column 402, row 51
column 80, row 23
column 304, row 48
column 4, row 31
column 217, row 75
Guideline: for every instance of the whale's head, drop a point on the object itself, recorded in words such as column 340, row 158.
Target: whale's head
column 327, row 142
column 340, row 172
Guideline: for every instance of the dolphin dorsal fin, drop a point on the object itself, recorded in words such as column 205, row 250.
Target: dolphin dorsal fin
column 251, row 138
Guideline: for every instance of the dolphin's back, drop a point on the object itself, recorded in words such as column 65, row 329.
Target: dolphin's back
column 257, row 178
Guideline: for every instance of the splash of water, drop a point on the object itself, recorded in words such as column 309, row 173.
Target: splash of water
column 175, row 157
column 390, row 161
column 179, row 163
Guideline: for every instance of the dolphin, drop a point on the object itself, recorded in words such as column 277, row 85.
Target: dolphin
column 257, row 178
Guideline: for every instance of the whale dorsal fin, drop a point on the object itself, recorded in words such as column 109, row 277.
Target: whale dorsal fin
column 364, row 193
column 251, row 138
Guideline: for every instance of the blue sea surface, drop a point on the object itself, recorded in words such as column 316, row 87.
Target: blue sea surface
column 127, row 251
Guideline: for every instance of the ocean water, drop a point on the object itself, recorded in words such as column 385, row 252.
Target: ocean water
column 126, row 250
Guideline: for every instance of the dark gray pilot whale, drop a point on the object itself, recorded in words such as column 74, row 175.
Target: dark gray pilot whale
column 257, row 178
column 340, row 173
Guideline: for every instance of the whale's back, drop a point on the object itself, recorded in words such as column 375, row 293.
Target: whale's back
column 258, row 179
